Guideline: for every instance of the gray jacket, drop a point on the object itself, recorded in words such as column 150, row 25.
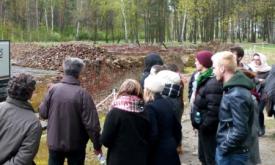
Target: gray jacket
column 72, row 116
column 20, row 133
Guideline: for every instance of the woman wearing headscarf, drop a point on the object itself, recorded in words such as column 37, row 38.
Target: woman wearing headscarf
column 126, row 128
column 262, row 69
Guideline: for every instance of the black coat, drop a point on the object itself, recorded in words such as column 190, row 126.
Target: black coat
column 126, row 135
column 165, row 132
column 236, row 116
column 270, row 90
column 207, row 102
column 260, row 86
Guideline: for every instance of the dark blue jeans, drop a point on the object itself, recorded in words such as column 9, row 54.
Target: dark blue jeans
column 73, row 157
column 231, row 159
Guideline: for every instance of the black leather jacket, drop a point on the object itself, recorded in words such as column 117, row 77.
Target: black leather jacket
column 235, row 116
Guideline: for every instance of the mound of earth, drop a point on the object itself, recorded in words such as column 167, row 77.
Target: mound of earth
column 106, row 65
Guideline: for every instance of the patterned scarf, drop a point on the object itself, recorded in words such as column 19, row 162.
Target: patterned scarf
column 172, row 90
column 204, row 75
column 129, row 104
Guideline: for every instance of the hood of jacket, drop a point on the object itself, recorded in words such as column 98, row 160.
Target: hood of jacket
column 151, row 60
column 239, row 79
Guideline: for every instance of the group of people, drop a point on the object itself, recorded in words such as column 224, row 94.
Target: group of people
column 227, row 98
column 143, row 125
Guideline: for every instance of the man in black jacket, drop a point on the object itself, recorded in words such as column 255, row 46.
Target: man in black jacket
column 236, row 111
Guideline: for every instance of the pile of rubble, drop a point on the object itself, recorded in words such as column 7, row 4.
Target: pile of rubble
column 51, row 58
column 215, row 46
column 104, row 65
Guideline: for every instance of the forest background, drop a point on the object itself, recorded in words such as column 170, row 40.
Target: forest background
column 138, row 21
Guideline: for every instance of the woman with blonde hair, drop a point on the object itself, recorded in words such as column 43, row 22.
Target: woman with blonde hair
column 126, row 128
column 165, row 130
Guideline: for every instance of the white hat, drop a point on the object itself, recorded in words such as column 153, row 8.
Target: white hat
column 154, row 83
column 169, row 77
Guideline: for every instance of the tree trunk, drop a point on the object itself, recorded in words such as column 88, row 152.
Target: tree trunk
column 122, row 6
column 46, row 15
column 52, row 15
column 77, row 30
column 37, row 19
column 2, row 16
column 106, row 30
column 28, row 20
column 95, row 27
column 183, row 25
column 79, row 9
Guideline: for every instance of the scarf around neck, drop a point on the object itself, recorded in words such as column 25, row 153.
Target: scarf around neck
column 204, row 75
column 128, row 103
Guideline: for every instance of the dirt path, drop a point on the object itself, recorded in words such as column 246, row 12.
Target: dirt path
column 190, row 144
column 189, row 157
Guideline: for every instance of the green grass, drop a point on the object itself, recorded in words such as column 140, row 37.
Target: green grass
column 269, row 122
column 41, row 157
column 38, row 95
column 188, row 70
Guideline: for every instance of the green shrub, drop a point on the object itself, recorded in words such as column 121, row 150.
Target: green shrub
column 83, row 35
column 54, row 36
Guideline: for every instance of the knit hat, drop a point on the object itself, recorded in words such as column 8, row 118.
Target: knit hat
column 204, row 58
column 154, row 83
column 169, row 77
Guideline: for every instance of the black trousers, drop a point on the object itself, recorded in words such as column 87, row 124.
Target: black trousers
column 73, row 157
column 261, row 106
column 207, row 148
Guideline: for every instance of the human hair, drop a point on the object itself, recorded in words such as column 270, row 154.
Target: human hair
column 172, row 67
column 226, row 59
column 130, row 87
column 156, row 68
column 21, row 87
column 239, row 51
column 148, row 95
column 73, row 66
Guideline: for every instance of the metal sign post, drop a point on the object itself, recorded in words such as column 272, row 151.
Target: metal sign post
column 5, row 69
